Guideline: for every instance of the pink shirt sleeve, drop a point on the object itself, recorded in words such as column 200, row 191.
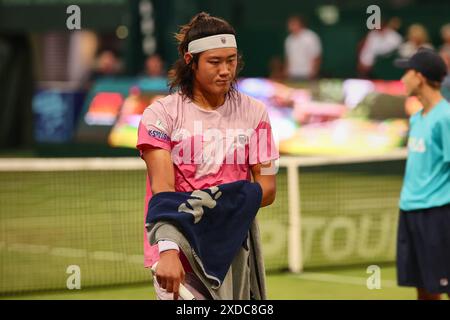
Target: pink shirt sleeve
column 154, row 131
column 155, row 128
column 262, row 141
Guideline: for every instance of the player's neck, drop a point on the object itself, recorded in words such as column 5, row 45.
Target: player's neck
column 208, row 101
column 429, row 99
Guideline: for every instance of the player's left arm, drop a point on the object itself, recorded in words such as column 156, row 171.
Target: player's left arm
column 262, row 155
column 261, row 174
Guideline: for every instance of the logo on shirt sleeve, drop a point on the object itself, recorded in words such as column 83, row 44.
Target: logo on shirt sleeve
column 160, row 125
column 158, row 135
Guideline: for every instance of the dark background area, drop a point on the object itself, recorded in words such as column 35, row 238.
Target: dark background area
column 260, row 25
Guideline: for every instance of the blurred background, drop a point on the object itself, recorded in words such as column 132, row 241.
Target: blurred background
column 71, row 182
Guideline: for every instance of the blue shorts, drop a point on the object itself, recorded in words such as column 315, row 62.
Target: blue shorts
column 423, row 249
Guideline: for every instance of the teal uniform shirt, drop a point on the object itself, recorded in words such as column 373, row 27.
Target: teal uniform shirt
column 427, row 177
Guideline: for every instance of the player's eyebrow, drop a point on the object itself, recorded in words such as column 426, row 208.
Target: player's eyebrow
column 234, row 55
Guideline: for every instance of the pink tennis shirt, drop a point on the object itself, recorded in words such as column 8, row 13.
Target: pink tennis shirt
column 208, row 147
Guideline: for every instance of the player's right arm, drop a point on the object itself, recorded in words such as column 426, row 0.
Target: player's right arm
column 169, row 271
column 159, row 169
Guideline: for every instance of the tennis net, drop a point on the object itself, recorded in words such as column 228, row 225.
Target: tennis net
column 58, row 213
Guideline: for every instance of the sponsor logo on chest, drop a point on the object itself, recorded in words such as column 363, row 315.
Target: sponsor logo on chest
column 417, row 145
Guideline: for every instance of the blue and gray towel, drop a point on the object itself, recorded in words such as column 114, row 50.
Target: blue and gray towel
column 215, row 221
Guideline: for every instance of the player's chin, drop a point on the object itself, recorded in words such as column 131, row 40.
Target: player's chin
column 223, row 86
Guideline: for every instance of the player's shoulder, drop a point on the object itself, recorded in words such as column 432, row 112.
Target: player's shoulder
column 169, row 101
column 445, row 108
column 441, row 112
column 444, row 113
column 251, row 104
column 251, row 109
column 441, row 118
column 164, row 104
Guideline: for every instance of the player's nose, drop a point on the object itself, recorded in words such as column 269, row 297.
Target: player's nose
column 224, row 70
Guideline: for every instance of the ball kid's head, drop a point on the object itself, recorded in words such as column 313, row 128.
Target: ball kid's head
column 425, row 69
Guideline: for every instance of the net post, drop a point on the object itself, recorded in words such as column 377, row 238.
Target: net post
column 295, row 259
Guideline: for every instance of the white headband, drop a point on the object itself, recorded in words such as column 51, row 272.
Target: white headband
column 213, row 42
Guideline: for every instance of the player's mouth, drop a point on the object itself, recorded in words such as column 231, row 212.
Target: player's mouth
column 223, row 82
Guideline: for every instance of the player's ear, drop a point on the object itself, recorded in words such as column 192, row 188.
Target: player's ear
column 420, row 77
column 188, row 57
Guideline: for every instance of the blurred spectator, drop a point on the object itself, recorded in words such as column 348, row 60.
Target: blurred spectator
column 83, row 46
column 417, row 38
column 445, row 86
column 107, row 64
column 445, row 48
column 445, row 54
column 395, row 23
column 154, row 66
column 378, row 42
column 303, row 50
column 277, row 70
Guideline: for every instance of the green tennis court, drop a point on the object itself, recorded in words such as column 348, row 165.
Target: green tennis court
column 89, row 213
column 343, row 283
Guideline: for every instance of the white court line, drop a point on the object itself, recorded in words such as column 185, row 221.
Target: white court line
column 135, row 163
column 136, row 258
column 68, row 252
column 72, row 252
column 70, row 164
column 333, row 278
column 108, row 256
column 139, row 259
column 28, row 248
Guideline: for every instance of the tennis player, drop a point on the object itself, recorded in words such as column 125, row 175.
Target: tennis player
column 203, row 134
column 423, row 244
